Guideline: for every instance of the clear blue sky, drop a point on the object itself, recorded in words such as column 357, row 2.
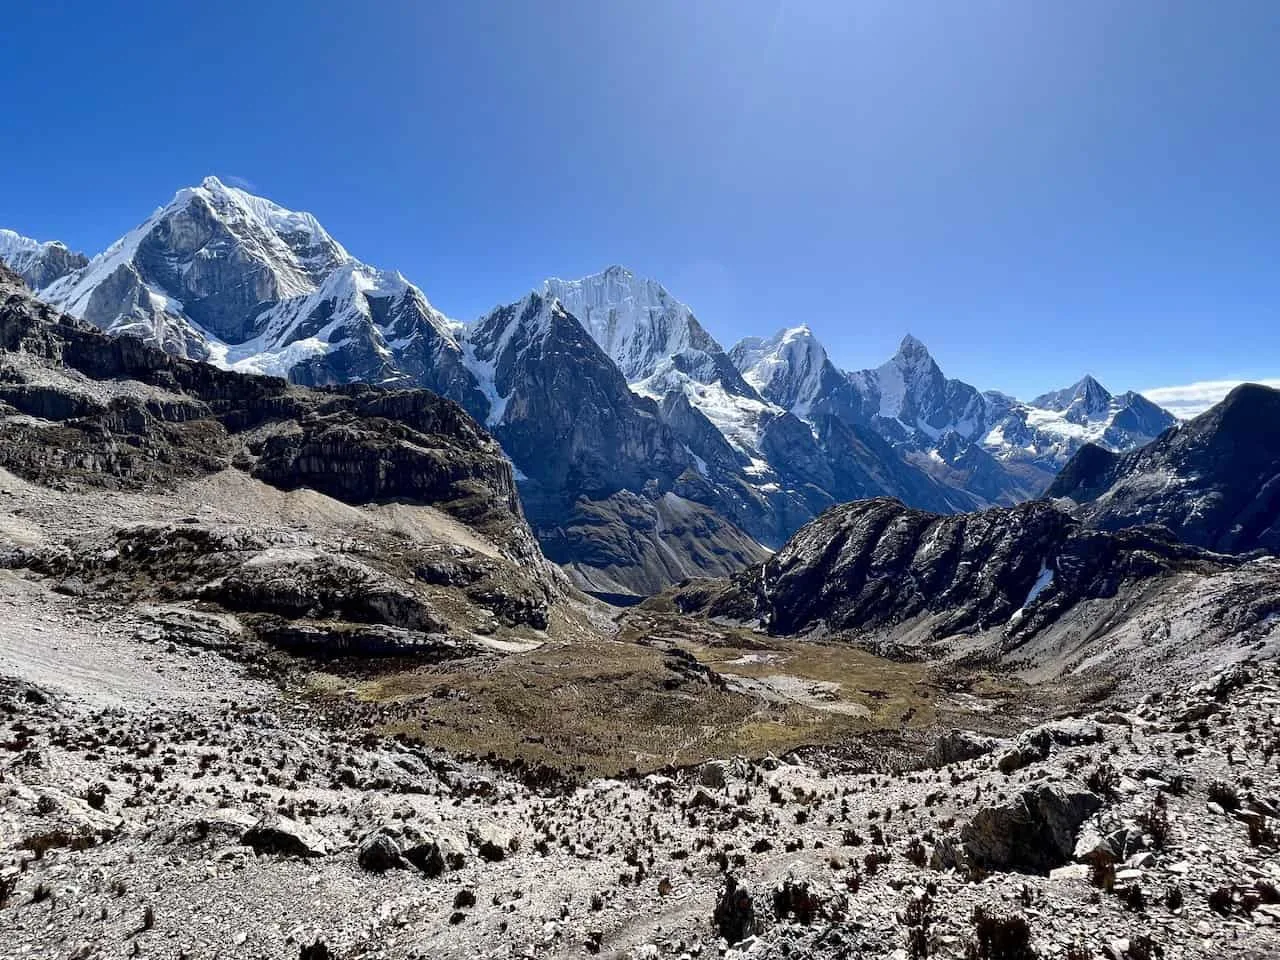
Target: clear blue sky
column 1034, row 188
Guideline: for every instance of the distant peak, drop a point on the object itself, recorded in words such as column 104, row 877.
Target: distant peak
column 212, row 183
column 911, row 347
column 1091, row 392
column 1086, row 396
column 912, row 352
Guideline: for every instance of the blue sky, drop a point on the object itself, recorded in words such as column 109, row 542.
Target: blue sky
column 1035, row 189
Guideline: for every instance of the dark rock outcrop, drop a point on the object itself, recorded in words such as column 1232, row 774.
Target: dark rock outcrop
column 359, row 444
column 38, row 264
column 1035, row 744
column 1214, row 482
column 876, row 564
column 278, row 834
column 735, row 912
column 78, row 408
column 1032, row 833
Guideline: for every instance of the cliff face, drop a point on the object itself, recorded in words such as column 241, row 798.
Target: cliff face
column 112, row 411
column 878, row 564
column 1214, row 481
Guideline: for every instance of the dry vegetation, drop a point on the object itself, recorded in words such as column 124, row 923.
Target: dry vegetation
column 659, row 694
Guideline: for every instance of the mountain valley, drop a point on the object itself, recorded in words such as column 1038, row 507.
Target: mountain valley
column 297, row 658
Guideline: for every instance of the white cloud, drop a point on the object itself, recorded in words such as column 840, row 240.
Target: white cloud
column 1192, row 399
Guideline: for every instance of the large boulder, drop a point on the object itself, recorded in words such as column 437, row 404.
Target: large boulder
column 491, row 842
column 434, row 854
column 713, row 774
column 1033, row 832
column 1105, row 839
column 1035, row 744
column 957, row 745
column 217, row 826
column 379, row 853
column 276, row 833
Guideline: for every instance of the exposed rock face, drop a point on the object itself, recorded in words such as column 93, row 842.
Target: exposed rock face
column 278, row 834
column 958, row 745
column 627, row 543
column 645, row 330
column 876, row 563
column 78, row 408
column 735, row 912
column 359, row 444
column 614, row 493
column 865, row 465
column 564, row 410
column 379, row 853
column 221, row 275
column 1214, row 481
column 792, row 369
column 986, row 445
column 579, row 368
column 38, row 264
column 1035, row 744
column 1032, row 833
column 369, row 445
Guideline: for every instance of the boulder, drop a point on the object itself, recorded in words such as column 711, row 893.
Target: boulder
column 1035, row 744
column 713, row 774
column 1032, row 833
column 957, row 745
column 947, row 854
column 1227, row 680
column 491, row 843
column 1106, row 839
column 217, row 826
column 701, row 798
column 379, row 853
column 276, row 833
column 433, row 854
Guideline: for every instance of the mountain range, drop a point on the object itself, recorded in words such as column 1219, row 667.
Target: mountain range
column 645, row 452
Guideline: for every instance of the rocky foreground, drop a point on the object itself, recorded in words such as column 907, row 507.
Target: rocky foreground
column 141, row 816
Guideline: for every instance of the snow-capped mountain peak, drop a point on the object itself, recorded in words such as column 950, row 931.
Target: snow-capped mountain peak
column 659, row 346
column 309, row 243
column 222, row 275
column 39, row 263
column 178, row 262
column 1085, row 397
column 496, row 344
column 909, row 385
column 912, row 350
column 13, row 244
column 788, row 368
column 636, row 321
column 914, row 360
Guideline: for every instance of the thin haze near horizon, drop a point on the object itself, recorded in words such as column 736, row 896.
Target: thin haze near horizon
column 1035, row 190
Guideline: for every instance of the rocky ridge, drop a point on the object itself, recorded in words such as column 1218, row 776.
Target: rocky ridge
column 1028, row 586
column 80, row 411
column 1214, row 481
column 990, row 445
